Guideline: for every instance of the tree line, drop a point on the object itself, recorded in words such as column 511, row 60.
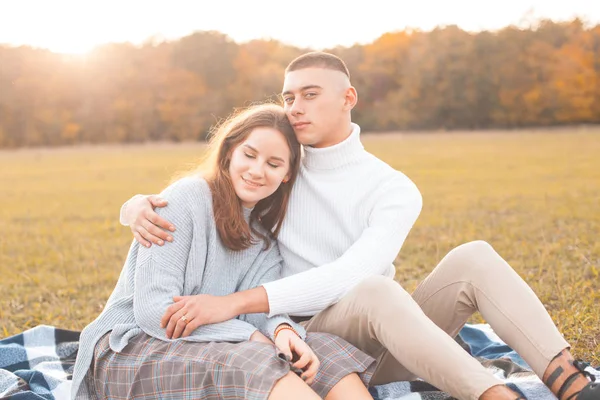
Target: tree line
column 446, row 78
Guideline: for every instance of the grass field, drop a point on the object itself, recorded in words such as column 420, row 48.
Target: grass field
column 535, row 196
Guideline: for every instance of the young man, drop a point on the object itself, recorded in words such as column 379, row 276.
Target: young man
column 348, row 217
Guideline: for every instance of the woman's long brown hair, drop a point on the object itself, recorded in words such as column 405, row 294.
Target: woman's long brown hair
column 269, row 212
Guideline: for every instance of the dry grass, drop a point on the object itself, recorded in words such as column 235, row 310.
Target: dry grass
column 534, row 196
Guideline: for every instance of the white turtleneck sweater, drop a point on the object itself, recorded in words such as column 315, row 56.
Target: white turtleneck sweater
column 347, row 219
column 348, row 216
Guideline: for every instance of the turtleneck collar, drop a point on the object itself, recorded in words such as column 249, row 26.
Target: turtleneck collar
column 335, row 156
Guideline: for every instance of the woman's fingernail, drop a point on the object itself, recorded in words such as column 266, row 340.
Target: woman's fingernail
column 172, row 228
column 169, row 238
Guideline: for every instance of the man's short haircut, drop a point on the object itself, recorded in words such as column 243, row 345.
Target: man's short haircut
column 318, row 59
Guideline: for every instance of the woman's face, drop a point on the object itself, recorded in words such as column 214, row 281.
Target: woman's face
column 259, row 165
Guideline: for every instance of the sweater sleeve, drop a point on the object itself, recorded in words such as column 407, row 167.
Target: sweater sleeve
column 390, row 221
column 266, row 271
column 160, row 270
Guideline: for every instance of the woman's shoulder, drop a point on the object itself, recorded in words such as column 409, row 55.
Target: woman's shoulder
column 192, row 191
column 186, row 185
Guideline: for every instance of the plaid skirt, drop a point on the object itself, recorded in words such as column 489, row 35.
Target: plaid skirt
column 149, row 368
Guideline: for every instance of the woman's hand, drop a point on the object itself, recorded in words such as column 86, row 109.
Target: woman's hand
column 288, row 342
column 189, row 312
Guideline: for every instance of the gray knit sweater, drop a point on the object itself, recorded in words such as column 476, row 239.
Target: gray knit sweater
column 195, row 262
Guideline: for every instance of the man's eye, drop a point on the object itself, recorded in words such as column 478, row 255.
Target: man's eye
column 288, row 100
column 310, row 95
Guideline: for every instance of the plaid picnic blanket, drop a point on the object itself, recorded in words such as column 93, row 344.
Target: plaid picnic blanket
column 482, row 343
column 37, row 364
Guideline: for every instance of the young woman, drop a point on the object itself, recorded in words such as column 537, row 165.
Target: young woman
column 146, row 344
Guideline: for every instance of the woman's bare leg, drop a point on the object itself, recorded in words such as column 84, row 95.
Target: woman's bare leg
column 349, row 387
column 292, row 387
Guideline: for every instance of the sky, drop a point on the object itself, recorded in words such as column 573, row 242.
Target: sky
column 77, row 26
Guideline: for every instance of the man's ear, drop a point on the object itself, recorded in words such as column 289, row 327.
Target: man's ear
column 350, row 98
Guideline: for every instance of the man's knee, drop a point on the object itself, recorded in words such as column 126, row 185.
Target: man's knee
column 473, row 259
column 472, row 249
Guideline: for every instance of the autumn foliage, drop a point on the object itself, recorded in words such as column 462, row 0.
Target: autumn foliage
column 442, row 79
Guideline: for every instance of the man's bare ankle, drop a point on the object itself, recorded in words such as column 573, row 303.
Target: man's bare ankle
column 499, row 392
column 562, row 377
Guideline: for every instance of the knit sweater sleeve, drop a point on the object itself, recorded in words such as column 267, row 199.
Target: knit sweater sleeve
column 391, row 219
column 160, row 270
column 266, row 271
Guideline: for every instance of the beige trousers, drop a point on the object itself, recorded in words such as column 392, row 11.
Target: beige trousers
column 412, row 336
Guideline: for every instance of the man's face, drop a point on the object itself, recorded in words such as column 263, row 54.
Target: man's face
column 315, row 102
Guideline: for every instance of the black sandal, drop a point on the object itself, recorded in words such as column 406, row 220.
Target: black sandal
column 591, row 391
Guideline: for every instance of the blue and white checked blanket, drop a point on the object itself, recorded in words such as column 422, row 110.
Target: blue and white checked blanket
column 37, row 364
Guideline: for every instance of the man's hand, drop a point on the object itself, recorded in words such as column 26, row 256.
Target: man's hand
column 201, row 309
column 145, row 223
column 288, row 342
